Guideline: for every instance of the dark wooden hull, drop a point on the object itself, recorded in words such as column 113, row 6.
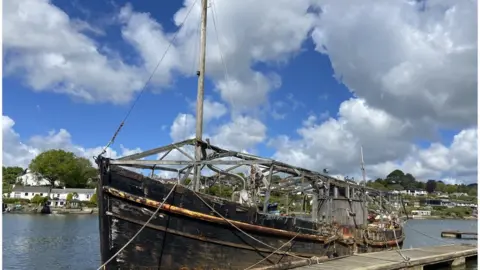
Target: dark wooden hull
column 187, row 234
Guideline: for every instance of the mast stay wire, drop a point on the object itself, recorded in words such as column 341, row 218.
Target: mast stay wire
column 147, row 81
column 225, row 69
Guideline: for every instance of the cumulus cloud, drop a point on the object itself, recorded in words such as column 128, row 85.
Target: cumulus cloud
column 416, row 60
column 408, row 82
column 387, row 144
column 17, row 152
column 234, row 44
column 46, row 47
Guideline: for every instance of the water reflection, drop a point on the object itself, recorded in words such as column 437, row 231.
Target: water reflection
column 71, row 241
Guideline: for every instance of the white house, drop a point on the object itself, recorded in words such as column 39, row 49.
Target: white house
column 58, row 196
column 421, row 213
column 411, row 192
column 31, row 179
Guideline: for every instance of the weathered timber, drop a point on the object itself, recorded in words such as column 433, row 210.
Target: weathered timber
column 158, row 150
column 392, row 260
column 187, row 234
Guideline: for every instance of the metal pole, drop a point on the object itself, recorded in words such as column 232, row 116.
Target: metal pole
column 364, row 204
column 200, row 93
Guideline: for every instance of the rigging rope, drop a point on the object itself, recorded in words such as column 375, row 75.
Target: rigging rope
column 141, row 229
column 240, row 230
column 225, row 69
column 429, row 236
column 148, row 81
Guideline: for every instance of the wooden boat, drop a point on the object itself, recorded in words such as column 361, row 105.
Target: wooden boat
column 150, row 223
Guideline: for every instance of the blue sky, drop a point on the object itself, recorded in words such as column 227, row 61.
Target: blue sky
column 366, row 106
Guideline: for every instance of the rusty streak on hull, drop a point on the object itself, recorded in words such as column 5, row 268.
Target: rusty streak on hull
column 206, row 239
column 209, row 218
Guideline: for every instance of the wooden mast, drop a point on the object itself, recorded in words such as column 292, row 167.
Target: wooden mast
column 200, row 95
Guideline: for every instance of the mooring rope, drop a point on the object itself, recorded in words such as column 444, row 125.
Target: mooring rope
column 139, row 231
column 405, row 258
column 278, row 249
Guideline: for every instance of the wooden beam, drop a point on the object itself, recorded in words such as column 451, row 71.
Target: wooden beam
column 124, row 162
column 158, row 150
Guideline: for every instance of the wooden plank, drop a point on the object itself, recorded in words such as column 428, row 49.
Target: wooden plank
column 392, row 259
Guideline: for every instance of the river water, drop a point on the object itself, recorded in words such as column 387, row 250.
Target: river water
column 71, row 241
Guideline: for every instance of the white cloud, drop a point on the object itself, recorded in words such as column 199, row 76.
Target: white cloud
column 284, row 26
column 408, row 83
column 19, row 153
column 183, row 127
column 454, row 163
column 387, row 143
column 53, row 53
column 242, row 134
column 42, row 44
column 424, row 71
column 211, row 109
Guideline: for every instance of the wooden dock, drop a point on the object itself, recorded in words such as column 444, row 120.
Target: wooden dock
column 418, row 258
column 459, row 235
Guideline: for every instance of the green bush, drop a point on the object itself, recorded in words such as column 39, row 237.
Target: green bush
column 90, row 204
column 15, row 201
column 93, row 199
column 37, row 199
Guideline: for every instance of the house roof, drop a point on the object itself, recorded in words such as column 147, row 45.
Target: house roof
column 45, row 189
column 73, row 190
column 39, row 189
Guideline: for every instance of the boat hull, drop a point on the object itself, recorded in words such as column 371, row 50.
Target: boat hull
column 187, row 234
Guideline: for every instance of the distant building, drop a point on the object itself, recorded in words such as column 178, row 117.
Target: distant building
column 421, row 213
column 58, row 196
column 31, row 179
column 458, row 194
column 413, row 192
column 435, row 202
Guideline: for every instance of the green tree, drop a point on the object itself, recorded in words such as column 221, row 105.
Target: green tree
column 431, row 186
column 9, row 177
column 82, row 174
column 66, row 168
column 450, row 188
column 441, row 186
column 395, row 177
column 10, row 174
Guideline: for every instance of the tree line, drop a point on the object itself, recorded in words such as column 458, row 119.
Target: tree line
column 57, row 167
column 398, row 180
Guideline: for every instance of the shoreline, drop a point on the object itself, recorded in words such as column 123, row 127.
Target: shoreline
column 54, row 211
column 439, row 217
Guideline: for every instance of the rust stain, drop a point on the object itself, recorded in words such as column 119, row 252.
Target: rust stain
column 193, row 214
